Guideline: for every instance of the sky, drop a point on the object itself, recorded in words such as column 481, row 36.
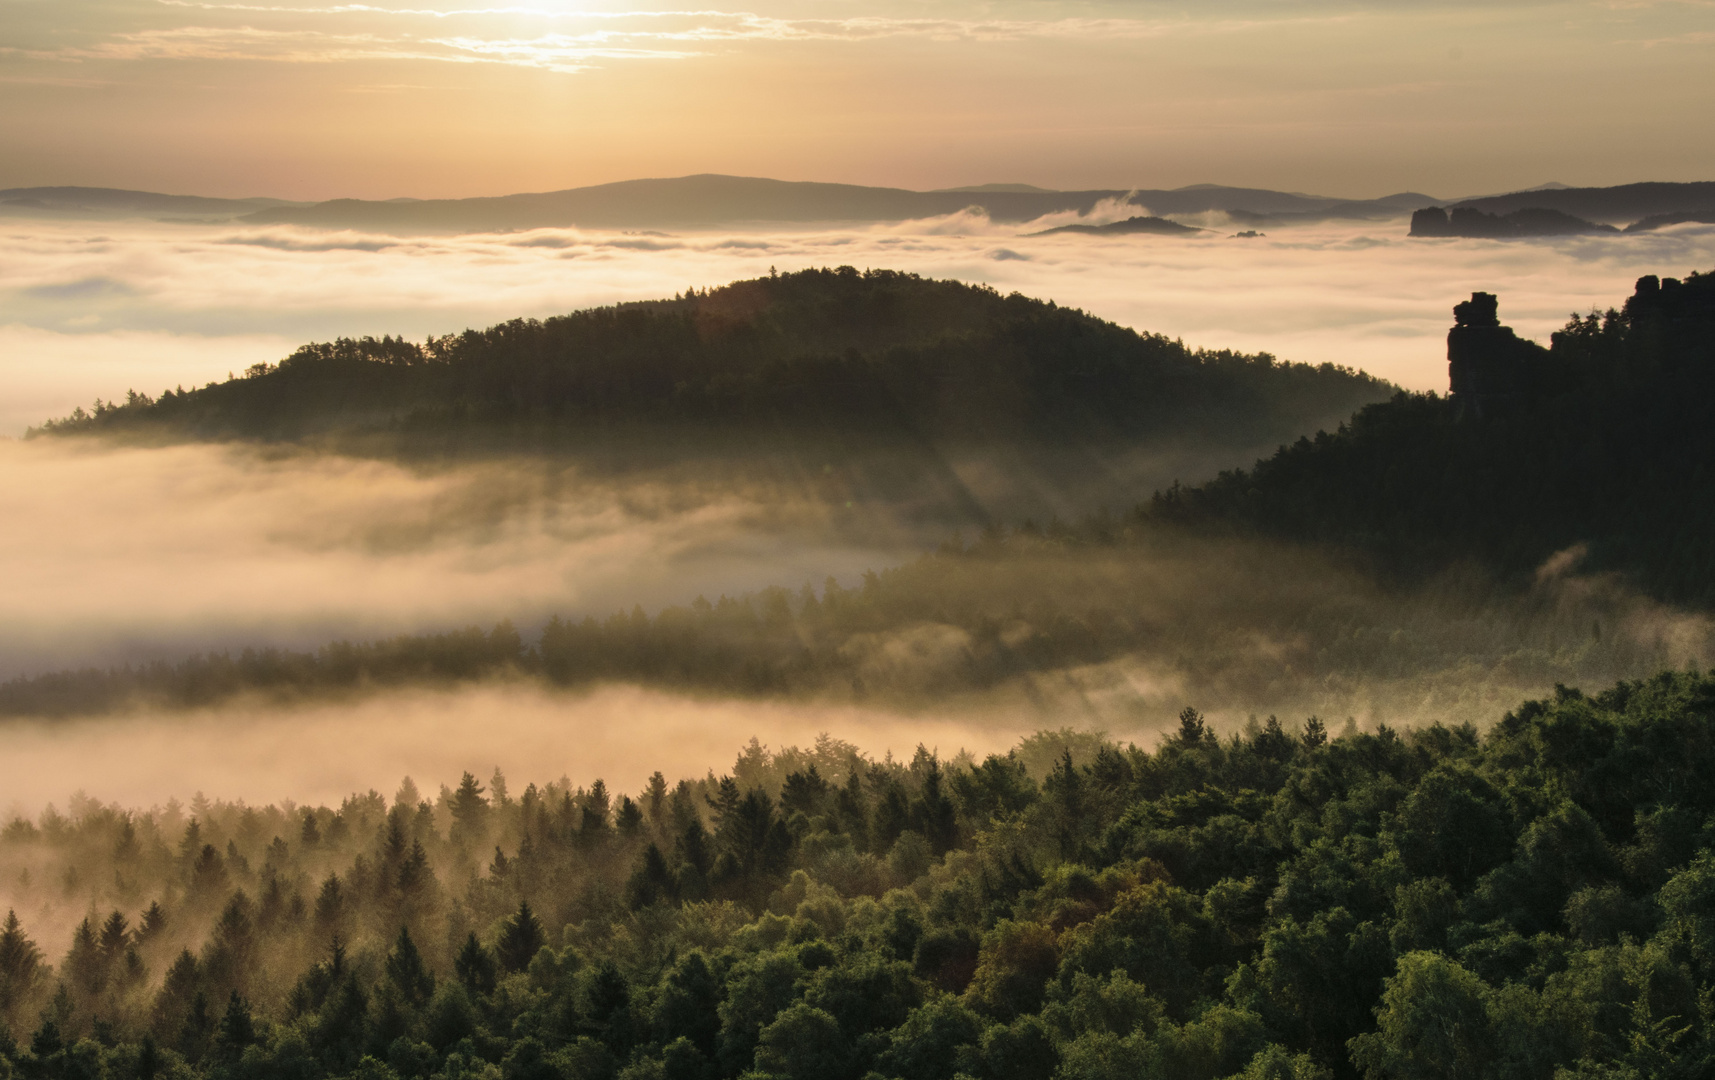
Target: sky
column 311, row 99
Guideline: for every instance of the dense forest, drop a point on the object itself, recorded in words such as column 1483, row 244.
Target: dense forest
column 1533, row 902
column 810, row 355
column 1608, row 447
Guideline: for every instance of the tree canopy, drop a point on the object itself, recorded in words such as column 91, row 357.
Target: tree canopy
column 1537, row 901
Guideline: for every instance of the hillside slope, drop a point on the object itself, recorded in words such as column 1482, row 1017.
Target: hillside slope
column 871, row 362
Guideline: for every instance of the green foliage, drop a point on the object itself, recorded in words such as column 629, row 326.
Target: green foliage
column 1254, row 906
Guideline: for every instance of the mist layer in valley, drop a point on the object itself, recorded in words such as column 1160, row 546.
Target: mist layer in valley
column 757, row 581
column 969, row 646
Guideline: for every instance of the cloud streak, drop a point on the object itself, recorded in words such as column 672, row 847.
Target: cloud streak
column 619, row 36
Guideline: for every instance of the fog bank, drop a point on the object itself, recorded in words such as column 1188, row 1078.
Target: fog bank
column 134, row 554
column 322, row 753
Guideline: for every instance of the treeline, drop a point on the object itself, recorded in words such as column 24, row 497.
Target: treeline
column 1536, row 902
column 1609, row 447
column 811, row 355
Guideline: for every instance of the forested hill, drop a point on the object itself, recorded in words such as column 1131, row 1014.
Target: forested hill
column 1607, row 444
column 876, row 353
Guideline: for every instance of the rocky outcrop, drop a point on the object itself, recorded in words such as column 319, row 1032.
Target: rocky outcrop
column 1489, row 367
column 1468, row 221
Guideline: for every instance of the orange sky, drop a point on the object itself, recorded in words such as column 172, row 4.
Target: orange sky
column 435, row 98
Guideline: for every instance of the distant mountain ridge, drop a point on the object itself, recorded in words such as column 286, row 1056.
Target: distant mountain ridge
column 717, row 201
column 713, row 200
column 1606, row 205
column 702, row 201
column 1557, row 210
column 103, row 202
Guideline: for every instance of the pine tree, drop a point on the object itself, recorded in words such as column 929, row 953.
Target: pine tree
column 154, row 921
column 629, row 819
column 1064, row 788
column 933, row 814
column 470, row 812
column 20, row 970
column 474, row 966
column 520, row 939
column 1315, row 733
column 330, row 906
column 178, row 991
column 406, row 971
column 1192, row 729
column 594, row 826
column 237, row 1029
column 655, row 802
column 83, row 964
column 691, row 851
column 148, row 1059
column 414, row 875
column 651, row 882
column 115, row 938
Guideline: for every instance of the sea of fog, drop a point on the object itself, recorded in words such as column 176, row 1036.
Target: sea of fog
column 118, row 555
column 92, row 309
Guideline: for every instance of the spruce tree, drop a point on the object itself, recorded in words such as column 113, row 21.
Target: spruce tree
column 520, row 939
column 406, row 971
column 474, row 966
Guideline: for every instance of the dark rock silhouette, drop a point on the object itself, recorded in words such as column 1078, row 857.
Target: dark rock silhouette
column 1468, row 221
column 1489, row 368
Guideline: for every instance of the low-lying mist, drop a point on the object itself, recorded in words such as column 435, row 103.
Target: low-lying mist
column 116, row 555
column 959, row 650
column 320, row 753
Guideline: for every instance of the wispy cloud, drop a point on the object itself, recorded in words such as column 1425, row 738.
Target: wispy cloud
column 571, row 41
column 563, row 53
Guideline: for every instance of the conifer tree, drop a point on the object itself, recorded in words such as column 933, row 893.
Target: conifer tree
column 406, row 971
column 20, row 970
column 470, row 812
column 521, row 939
column 475, row 967
column 237, row 1029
